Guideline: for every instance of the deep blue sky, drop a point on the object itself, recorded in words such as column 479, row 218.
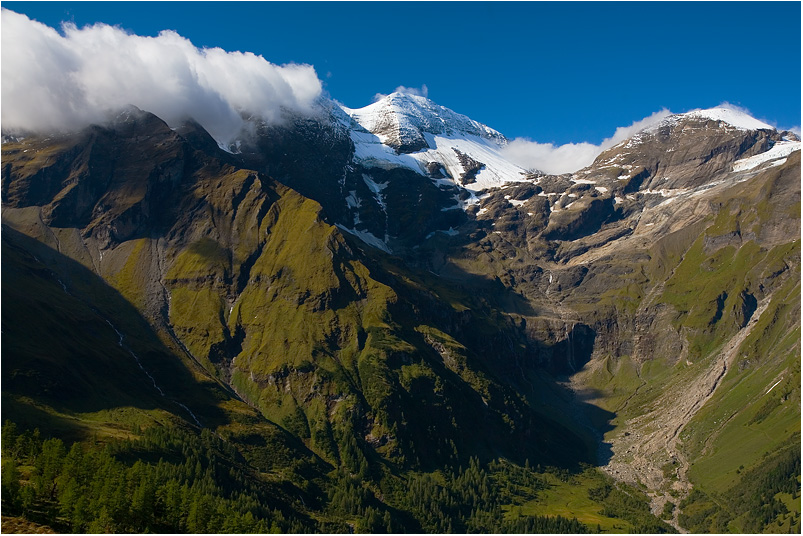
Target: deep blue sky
column 554, row 72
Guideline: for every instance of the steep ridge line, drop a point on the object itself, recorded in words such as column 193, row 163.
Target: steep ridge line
column 645, row 444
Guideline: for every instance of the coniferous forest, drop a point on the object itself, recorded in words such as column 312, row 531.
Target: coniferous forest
column 173, row 480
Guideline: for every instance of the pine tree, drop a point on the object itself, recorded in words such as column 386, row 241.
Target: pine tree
column 10, row 480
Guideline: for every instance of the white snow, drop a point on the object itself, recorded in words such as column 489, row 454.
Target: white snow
column 444, row 131
column 366, row 237
column 376, row 188
column 369, row 151
column 665, row 192
column 405, row 116
column 731, row 116
column 516, row 202
column 451, row 231
column 779, row 152
column 352, row 200
column 496, row 170
column 601, row 189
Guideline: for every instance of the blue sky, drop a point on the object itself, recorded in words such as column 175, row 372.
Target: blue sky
column 553, row 72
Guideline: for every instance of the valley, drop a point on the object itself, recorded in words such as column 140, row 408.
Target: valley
column 369, row 320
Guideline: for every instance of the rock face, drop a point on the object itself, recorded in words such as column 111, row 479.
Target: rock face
column 382, row 278
column 684, row 151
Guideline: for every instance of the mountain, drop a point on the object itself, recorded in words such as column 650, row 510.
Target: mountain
column 375, row 303
column 431, row 140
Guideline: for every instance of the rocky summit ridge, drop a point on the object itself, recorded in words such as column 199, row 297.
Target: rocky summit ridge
column 380, row 293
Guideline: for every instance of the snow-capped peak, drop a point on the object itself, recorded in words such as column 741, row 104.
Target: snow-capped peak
column 403, row 130
column 401, row 120
column 733, row 117
column 724, row 114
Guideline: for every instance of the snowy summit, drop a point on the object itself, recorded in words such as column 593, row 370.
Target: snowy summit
column 402, row 130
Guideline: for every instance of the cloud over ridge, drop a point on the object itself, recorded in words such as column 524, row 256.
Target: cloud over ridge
column 54, row 81
column 422, row 91
column 556, row 159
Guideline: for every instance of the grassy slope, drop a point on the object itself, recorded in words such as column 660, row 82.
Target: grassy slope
column 727, row 434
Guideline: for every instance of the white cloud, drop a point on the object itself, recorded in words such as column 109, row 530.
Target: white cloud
column 422, row 91
column 65, row 81
column 551, row 158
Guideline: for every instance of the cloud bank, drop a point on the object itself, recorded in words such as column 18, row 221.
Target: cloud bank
column 56, row 82
column 556, row 159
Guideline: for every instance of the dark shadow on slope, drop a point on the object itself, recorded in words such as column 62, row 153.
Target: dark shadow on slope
column 493, row 327
column 61, row 347
column 498, row 346
column 560, row 361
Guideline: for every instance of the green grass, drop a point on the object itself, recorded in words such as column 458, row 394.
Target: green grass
column 722, row 438
column 613, row 381
column 570, row 499
column 738, row 425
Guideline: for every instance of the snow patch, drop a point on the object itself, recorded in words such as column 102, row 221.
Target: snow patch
column 780, row 150
column 352, row 200
column 450, row 231
column 366, row 237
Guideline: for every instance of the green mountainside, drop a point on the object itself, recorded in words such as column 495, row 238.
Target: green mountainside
column 192, row 328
